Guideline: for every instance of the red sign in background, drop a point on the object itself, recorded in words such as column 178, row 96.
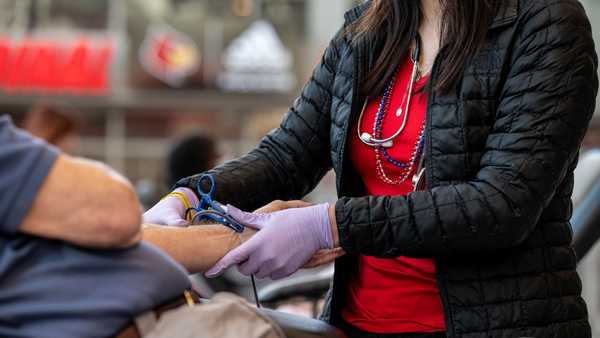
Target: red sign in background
column 41, row 66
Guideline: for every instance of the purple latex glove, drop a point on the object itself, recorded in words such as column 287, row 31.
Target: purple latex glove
column 171, row 209
column 287, row 239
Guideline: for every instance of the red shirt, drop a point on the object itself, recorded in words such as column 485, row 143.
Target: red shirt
column 392, row 295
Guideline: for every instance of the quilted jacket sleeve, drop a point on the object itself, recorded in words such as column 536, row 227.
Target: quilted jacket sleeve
column 291, row 160
column 544, row 110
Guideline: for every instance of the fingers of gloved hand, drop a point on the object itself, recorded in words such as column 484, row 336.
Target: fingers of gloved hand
column 281, row 273
column 249, row 267
column 235, row 256
column 179, row 222
column 282, row 267
column 263, row 272
column 190, row 195
column 169, row 211
column 148, row 219
column 167, row 218
column 287, row 240
column 256, row 221
column 153, row 217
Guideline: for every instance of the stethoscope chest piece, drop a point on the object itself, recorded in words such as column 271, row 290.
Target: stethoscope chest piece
column 367, row 139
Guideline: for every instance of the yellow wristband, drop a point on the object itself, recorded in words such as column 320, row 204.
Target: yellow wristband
column 186, row 203
column 180, row 196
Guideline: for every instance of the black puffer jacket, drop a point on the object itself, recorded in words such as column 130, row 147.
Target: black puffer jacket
column 500, row 154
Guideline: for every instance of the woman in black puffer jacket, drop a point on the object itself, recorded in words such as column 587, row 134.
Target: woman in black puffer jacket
column 510, row 90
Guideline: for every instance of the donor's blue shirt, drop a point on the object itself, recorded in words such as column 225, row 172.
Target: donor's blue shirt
column 55, row 290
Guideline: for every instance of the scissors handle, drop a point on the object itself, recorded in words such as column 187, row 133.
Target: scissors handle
column 205, row 181
column 212, row 210
column 211, row 185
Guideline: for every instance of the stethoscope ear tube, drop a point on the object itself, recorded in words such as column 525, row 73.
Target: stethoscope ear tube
column 368, row 138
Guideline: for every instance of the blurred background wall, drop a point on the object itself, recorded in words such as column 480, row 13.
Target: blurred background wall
column 593, row 10
column 132, row 77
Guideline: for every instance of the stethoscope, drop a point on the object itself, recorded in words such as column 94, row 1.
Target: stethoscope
column 367, row 138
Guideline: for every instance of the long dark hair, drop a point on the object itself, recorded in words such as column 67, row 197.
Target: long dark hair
column 394, row 24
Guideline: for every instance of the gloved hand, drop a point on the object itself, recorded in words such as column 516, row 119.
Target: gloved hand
column 171, row 209
column 285, row 241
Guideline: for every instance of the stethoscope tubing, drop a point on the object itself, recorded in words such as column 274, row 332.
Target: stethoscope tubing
column 367, row 138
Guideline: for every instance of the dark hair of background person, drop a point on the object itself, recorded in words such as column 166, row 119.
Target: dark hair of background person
column 191, row 155
column 393, row 25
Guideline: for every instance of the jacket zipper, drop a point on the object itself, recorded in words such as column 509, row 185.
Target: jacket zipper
column 339, row 275
column 429, row 182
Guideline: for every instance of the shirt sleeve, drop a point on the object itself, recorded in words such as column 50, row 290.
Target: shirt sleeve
column 24, row 164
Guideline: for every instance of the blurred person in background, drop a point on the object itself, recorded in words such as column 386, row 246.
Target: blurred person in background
column 52, row 124
column 453, row 127
column 188, row 155
column 192, row 154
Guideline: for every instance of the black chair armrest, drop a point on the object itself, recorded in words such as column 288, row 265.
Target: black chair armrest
column 310, row 286
column 300, row 327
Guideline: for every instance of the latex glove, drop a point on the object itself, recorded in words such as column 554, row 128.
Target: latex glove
column 286, row 240
column 321, row 257
column 171, row 209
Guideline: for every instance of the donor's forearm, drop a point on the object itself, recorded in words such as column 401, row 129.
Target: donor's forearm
column 197, row 248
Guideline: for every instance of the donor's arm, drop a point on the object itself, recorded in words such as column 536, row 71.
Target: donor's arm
column 197, row 248
column 48, row 194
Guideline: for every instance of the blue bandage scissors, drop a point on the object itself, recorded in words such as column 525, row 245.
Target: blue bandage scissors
column 210, row 210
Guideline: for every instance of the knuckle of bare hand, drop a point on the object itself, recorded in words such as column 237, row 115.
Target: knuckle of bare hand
column 278, row 203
